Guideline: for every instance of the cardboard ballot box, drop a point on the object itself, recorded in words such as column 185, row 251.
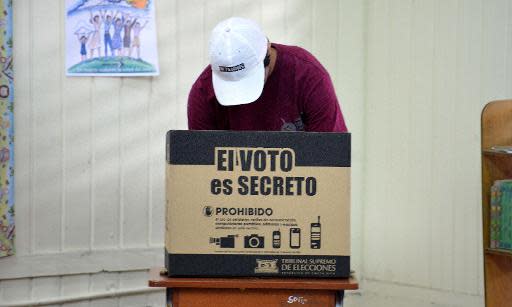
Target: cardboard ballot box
column 258, row 204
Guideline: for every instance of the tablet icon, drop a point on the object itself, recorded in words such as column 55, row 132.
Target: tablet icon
column 294, row 238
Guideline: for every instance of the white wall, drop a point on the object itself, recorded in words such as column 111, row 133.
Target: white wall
column 90, row 151
column 432, row 65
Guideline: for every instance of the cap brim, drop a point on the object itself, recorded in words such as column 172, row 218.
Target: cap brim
column 244, row 91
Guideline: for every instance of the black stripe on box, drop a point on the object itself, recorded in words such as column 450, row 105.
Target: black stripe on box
column 216, row 265
column 186, row 147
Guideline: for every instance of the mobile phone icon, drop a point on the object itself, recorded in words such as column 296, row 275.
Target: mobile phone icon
column 294, row 237
column 316, row 231
column 276, row 239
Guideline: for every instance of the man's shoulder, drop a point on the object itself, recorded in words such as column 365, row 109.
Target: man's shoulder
column 202, row 89
column 204, row 80
column 295, row 55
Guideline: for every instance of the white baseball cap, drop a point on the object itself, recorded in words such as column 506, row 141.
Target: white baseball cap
column 237, row 49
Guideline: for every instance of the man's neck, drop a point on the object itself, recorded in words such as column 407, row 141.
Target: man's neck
column 273, row 59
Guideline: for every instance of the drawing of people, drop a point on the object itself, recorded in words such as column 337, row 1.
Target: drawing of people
column 136, row 37
column 116, row 40
column 128, row 25
column 83, row 38
column 95, row 40
column 108, row 21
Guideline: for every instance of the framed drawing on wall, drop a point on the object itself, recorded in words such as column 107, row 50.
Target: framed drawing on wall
column 111, row 38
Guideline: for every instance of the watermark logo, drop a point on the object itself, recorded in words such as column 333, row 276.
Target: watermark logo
column 296, row 299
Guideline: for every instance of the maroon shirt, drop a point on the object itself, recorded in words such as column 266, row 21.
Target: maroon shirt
column 298, row 96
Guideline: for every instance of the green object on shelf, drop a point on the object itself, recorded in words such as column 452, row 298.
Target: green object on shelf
column 501, row 215
column 495, row 216
column 506, row 215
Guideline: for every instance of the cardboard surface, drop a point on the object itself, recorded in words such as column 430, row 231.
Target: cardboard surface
column 258, row 204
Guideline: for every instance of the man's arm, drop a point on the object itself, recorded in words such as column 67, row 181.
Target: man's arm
column 322, row 112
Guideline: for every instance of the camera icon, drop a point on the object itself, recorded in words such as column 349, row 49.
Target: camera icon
column 254, row 241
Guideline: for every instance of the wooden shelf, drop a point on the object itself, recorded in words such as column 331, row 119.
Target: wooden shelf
column 496, row 165
column 250, row 291
column 493, row 152
column 158, row 280
column 498, row 251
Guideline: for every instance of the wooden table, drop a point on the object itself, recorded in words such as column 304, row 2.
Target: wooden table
column 252, row 292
